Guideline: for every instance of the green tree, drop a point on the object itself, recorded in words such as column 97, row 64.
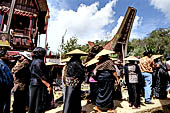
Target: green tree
column 70, row 45
column 158, row 42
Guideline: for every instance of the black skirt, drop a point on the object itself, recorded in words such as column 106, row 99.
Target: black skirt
column 105, row 90
column 72, row 102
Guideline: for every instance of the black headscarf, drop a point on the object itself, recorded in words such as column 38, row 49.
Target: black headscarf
column 39, row 52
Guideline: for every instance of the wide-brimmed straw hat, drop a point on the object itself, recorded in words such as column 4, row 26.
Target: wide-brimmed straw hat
column 105, row 52
column 65, row 60
column 26, row 54
column 114, row 59
column 77, row 52
column 92, row 61
column 50, row 64
column 132, row 58
column 156, row 56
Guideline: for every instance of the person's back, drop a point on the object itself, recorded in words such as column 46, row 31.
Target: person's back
column 145, row 64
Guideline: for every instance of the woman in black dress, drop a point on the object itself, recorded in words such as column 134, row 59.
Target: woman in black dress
column 106, row 76
column 160, row 78
column 74, row 77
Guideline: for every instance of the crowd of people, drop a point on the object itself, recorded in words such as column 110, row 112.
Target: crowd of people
column 29, row 80
column 147, row 76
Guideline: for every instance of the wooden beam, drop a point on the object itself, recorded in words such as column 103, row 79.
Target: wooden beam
column 2, row 21
column 10, row 15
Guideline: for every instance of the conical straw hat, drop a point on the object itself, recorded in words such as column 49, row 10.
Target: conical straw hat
column 50, row 63
column 105, row 52
column 114, row 59
column 66, row 60
column 92, row 61
column 76, row 52
column 132, row 58
column 156, row 56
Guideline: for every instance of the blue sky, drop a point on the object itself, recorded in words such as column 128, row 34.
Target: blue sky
column 91, row 20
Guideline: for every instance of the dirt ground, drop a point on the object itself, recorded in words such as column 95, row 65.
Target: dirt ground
column 159, row 106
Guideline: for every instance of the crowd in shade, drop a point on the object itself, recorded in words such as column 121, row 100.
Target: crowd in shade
column 29, row 80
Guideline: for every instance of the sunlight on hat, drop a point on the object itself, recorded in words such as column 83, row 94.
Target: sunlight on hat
column 92, row 61
column 156, row 56
column 132, row 58
column 105, row 52
column 77, row 52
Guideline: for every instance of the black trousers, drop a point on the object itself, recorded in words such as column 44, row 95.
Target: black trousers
column 134, row 94
column 36, row 99
column 93, row 91
column 20, row 101
column 5, row 97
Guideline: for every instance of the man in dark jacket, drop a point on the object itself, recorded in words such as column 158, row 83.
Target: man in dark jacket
column 39, row 83
column 6, row 83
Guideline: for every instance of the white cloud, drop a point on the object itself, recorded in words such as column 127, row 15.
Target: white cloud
column 163, row 6
column 137, row 23
column 87, row 23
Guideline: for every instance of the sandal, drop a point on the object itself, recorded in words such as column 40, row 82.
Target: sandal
column 96, row 109
column 111, row 111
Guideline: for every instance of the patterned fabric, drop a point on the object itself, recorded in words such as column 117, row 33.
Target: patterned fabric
column 5, row 75
column 160, row 81
column 107, row 65
column 72, row 82
column 133, row 70
column 19, row 66
column 146, row 64
column 64, row 71
column 133, row 76
column 75, row 69
column 168, row 66
column 21, row 75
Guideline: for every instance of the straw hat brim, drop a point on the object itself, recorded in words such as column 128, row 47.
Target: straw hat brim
column 77, row 52
column 92, row 61
column 156, row 56
column 65, row 60
column 114, row 59
column 131, row 58
column 50, row 63
column 105, row 52
column 26, row 54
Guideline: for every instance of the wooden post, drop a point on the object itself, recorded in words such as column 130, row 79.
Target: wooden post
column 2, row 21
column 123, row 54
column 10, row 15
column 30, row 27
column 46, row 39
